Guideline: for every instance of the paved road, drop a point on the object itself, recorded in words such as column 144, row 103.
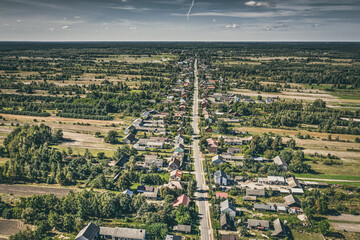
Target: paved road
column 201, row 193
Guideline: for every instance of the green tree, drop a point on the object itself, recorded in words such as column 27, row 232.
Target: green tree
column 111, row 137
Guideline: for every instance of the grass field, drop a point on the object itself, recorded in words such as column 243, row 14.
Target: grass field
column 307, row 236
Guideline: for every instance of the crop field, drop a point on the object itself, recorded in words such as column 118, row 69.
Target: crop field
column 30, row 190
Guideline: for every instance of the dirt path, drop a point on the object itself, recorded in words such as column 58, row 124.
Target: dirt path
column 329, row 180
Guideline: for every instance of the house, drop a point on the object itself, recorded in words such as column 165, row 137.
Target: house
column 204, row 103
column 249, row 198
column 281, row 162
column 234, row 150
column 151, row 194
column 182, row 228
column 90, row 232
column 255, row 192
column 221, row 195
column 181, row 130
column 128, row 192
column 208, row 129
column 258, row 224
column 130, row 129
column 213, row 145
column 138, row 122
column 179, row 139
column 174, row 185
column 129, row 139
column 174, row 164
column 216, row 160
column 145, row 115
column 221, row 178
column 226, row 207
column 122, row 233
column 293, row 182
column 158, row 162
column 297, row 191
column 172, row 237
column 179, row 148
column 279, row 229
column 276, row 180
column 230, row 237
column 176, row 175
column 183, row 199
column 122, row 161
column 292, row 201
column 264, row 207
column 225, row 222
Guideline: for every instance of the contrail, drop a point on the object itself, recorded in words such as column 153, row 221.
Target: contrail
column 188, row 14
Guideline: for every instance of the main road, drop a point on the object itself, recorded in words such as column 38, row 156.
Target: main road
column 201, row 194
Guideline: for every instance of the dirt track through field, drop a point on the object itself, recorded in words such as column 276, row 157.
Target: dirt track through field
column 28, row 190
column 349, row 227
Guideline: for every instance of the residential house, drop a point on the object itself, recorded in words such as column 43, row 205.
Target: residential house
column 226, row 207
column 122, row 233
column 130, row 129
column 128, row 192
column 151, row 194
column 179, row 139
column 182, row 228
column 221, row 195
column 255, row 192
column 145, row 115
column 208, row 129
column 129, row 139
column 181, row 131
column 172, row 237
column 264, row 207
column 138, row 122
column 277, row 180
column 183, row 199
column 221, row 178
column 279, row 229
column 292, row 201
column 90, row 232
column 281, row 162
column 293, row 182
column 249, row 198
column 176, row 175
column 258, row 224
column 213, row 145
column 216, row 160
column 174, row 163
column 225, row 222
column 158, row 162
column 174, row 185
column 234, row 150
column 204, row 103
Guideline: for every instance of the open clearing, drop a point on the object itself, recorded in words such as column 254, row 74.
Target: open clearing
column 29, row 190
column 349, row 227
column 10, row 227
column 346, row 218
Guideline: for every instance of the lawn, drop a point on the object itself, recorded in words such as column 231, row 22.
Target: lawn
column 307, row 236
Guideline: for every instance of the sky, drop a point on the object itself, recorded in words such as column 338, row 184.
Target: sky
column 179, row 20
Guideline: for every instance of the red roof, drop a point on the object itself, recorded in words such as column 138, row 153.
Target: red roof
column 222, row 195
column 183, row 199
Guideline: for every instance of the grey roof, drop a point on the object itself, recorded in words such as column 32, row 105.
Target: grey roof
column 264, row 207
column 220, row 173
column 291, row 199
column 130, row 233
column 182, row 228
column 258, row 223
column 255, row 192
column 172, row 237
column 227, row 204
column 224, row 220
column 88, row 233
column 281, row 162
column 278, row 228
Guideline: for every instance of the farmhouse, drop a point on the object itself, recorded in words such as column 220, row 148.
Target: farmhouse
column 216, row 160
column 279, row 229
column 122, row 233
column 212, row 145
column 90, row 232
column 281, row 162
column 226, row 207
column 183, row 199
column 176, row 175
column 258, row 224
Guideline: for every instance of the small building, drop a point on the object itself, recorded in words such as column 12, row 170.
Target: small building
column 249, row 198
column 297, row 191
column 138, row 122
column 221, row 178
column 182, row 228
column 213, row 145
column 225, row 222
column 151, row 194
column 256, row 192
column 208, row 129
column 216, row 160
column 129, row 139
column 128, row 192
column 145, row 115
column 234, row 150
column 258, row 224
column 90, row 232
column 292, row 201
column 264, row 207
column 279, row 229
column 122, row 233
column 226, row 207
column 130, row 129
column 174, row 185
column 172, row 237
column 183, row 199
column 176, row 175
column 229, row 237
column 179, row 139
column 281, row 162
column 221, row 195
column 158, row 162
column 174, row 164
column 278, row 180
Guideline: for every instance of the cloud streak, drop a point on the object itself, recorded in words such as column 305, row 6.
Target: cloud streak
column 191, row 6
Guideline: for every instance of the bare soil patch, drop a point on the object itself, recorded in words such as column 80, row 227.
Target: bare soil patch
column 346, row 218
column 349, row 227
column 28, row 190
column 10, row 227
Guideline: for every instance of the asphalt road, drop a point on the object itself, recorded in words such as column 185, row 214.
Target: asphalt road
column 201, row 194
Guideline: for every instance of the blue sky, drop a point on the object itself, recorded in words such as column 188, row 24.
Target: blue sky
column 179, row 20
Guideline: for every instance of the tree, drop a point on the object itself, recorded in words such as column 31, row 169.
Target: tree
column 324, row 227
column 156, row 231
column 291, row 144
column 191, row 188
column 111, row 137
column 223, row 127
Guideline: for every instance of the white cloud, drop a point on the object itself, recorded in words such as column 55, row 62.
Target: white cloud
column 132, row 28
column 315, row 25
column 232, row 25
column 19, row 20
column 124, row 1
column 259, row 4
column 51, row 29
column 214, row 20
column 65, row 27
column 77, row 17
